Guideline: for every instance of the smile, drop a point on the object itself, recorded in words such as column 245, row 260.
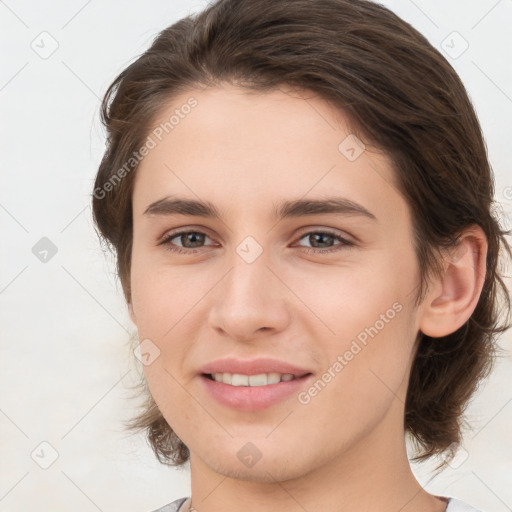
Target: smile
column 261, row 379
column 252, row 393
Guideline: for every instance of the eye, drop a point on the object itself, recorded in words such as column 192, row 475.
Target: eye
column 191, row 241
column 319, row 239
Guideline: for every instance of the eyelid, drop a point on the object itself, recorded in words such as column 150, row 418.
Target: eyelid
column 184, row 229
column 303, row 231
column 329, row 231
column 344, row 242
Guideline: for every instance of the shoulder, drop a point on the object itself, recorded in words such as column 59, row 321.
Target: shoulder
column 456, row 505
column 172, row 507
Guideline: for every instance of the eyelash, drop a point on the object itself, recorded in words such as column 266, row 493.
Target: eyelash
column 345, row 243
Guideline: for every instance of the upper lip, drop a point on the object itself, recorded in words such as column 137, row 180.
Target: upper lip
column 252, row 367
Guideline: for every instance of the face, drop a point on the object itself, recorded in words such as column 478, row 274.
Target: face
column 282, row 282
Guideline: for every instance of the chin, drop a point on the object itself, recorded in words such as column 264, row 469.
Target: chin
column 261, row 461
column 268, row 472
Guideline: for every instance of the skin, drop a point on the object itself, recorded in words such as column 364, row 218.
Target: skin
column 345, row 449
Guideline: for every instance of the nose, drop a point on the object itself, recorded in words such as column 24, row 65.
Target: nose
column 250, row 301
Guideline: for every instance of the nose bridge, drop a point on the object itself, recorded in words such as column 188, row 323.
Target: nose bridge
column 248, row 282
column 248, row 298
column 249, row 260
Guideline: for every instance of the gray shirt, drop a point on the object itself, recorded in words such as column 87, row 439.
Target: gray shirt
column 454, row 505
column 172, row 507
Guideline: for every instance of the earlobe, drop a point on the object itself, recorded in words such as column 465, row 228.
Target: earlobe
column 454, row 295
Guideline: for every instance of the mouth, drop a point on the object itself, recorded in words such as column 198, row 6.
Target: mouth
column 260, row 379
column 252, row 393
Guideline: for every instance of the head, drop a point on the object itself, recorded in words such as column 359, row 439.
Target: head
column 246, row 108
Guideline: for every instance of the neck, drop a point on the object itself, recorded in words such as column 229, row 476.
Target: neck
column 374, row 475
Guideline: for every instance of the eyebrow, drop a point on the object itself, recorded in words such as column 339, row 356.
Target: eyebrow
column 286, row 209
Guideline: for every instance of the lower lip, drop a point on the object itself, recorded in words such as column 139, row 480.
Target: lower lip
column 253, row 398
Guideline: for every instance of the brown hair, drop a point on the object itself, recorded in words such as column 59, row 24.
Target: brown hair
column 402, row 97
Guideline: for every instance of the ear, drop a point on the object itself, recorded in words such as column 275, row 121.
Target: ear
column 132, row 313
column 454, row 295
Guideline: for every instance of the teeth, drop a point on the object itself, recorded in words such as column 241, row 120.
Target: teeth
column 239, row 380
column 273, row 378
column 256, row 380
column 262, row 379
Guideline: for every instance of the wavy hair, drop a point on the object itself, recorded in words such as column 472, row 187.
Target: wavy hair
column 401, row 95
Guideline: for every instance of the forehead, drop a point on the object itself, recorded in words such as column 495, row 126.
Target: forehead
column 245, row 148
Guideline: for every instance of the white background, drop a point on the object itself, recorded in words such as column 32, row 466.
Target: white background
column 66, row 366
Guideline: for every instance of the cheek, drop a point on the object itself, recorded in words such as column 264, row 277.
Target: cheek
column 366, row 333
column 350, row 298
column 363, row 380
column 169, row 394
column 159, row 295
column 169, row 308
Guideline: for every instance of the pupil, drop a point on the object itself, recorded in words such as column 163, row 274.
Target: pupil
column 191, row 235
column 320, row 235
